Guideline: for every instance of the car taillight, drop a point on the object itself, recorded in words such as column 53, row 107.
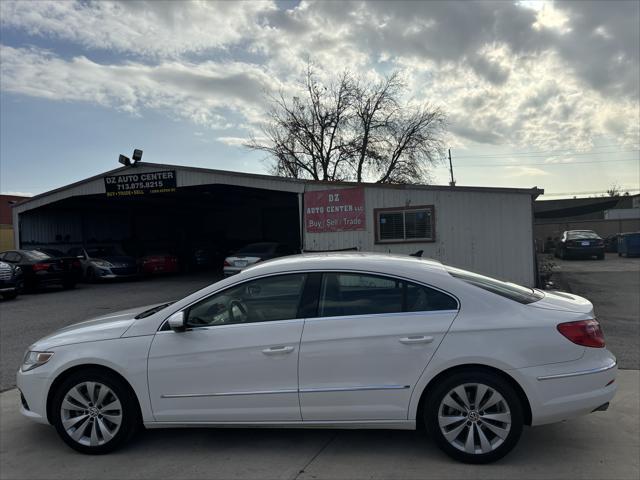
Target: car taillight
column 37, row 267
column 76, row 264
column 584, row 332
column 226, row 264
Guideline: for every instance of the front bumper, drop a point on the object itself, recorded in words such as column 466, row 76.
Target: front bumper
column 561, row 391
column 33, row 387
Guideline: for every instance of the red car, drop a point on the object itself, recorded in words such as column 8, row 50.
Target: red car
column 159, row 263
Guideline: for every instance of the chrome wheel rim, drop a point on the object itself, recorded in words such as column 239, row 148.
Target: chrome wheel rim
column 474, row 418
column 91, row 414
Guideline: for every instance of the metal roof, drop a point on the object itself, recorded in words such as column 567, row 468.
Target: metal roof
column 534, row 191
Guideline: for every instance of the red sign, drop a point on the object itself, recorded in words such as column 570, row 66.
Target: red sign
column 334, row 210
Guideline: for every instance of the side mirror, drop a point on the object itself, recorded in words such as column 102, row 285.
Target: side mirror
column 176, row 322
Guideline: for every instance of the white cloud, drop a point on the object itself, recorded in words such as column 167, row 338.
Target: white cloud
column 205, row 93
column 17, row 194
column 522, row 171
column 541, row 76
column 233, row 141
column 161, row 28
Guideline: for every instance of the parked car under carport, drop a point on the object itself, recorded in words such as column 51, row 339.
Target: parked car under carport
column 105, row 263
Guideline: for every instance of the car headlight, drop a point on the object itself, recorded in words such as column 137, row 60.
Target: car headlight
column 102, row 264
column 35, row 359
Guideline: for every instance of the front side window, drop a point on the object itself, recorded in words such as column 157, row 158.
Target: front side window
column 413, row 224
column 347, row 294
column 262, row 300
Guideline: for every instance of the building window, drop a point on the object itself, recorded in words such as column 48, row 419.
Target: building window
column 400, row 225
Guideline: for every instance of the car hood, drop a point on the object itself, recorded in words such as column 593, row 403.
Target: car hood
column 566, row 302
column 115, row 259
column 104, row 327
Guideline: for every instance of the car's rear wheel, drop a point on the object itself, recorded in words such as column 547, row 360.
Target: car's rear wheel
column 474, row 416
column 94, row 412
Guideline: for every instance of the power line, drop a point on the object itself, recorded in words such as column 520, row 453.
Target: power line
column 475, row 165
column 592, row 192
column 568, row 150
column 547, row 154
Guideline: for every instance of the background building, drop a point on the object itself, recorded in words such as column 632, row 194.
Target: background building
column 164, row 207
column 6, row 220
column 605, row 215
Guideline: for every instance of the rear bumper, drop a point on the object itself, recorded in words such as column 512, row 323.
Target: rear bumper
column 566, row 390
column 584, row 251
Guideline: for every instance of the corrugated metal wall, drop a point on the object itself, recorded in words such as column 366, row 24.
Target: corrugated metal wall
column 487, row 232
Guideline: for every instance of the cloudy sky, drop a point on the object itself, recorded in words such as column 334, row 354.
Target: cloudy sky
column 536, row 93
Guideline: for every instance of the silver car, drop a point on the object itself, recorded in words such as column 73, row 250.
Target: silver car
column 254, row 253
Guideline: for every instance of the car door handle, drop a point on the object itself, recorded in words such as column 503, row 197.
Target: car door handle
column 278, row 350
column 416, row 339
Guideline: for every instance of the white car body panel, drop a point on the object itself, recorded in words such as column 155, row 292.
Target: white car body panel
column 358, row 368
column 337, row 353
column 239, row 372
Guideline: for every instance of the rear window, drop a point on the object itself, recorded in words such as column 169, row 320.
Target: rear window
column 36, row 255
column 582, row 234
column 508, row 290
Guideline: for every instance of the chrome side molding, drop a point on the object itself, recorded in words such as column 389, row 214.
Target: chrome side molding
column 577, row 374
column 291, row 390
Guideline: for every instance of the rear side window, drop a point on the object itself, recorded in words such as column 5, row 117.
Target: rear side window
column 508, row 290
column 347, row 294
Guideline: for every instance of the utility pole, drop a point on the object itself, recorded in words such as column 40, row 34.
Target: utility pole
column 452, row 183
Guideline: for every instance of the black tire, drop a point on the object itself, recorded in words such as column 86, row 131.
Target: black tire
column 601, row 256
column 433, row 403
column 69, row 284
column 130, row 412
column 10, row 295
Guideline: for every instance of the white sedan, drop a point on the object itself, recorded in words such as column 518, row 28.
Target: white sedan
column 329, row 341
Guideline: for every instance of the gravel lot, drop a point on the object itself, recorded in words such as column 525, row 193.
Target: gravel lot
column 612, row 286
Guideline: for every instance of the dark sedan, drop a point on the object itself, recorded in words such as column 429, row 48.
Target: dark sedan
column 580, row 244
column 11, row 281
column 40, row 269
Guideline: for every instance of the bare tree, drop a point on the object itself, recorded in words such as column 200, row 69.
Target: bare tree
column 614, row 190
column 352, row 130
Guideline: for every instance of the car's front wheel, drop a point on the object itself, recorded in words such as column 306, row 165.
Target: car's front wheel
column 474, row 416
column 94, row 412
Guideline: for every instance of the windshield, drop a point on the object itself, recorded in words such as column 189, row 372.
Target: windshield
column 509, row 290
column 257, row 248
column 151, row 311
column 99, row 252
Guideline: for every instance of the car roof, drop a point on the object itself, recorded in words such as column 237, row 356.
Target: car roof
column 362, row 261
